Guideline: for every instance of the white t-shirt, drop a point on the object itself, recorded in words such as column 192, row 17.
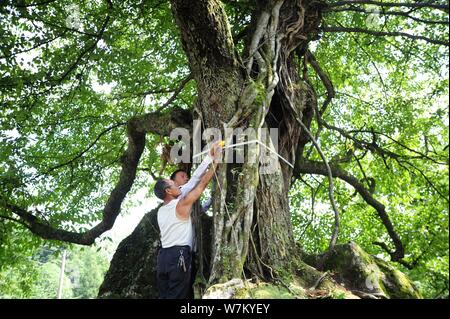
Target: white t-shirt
column 174, row 231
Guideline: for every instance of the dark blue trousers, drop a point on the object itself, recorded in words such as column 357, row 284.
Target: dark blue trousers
column 174, row 272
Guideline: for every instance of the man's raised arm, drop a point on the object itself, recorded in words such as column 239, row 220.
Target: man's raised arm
column 198, row 173
column 184, row 206
column 201, row 169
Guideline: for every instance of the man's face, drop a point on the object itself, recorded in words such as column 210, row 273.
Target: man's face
column 181, row 178
column 173, row 189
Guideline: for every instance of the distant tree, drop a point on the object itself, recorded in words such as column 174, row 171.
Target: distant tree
column 38, row 276
column 86, row 269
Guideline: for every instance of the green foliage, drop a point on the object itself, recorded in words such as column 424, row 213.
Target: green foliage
column 18, row 281
column 48, row 281
column 86, row 270
column 65, row 98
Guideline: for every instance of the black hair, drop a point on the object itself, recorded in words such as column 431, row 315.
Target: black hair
column 160, row 188
column 174, row 174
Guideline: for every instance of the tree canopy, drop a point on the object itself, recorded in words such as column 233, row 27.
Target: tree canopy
column 81, row 83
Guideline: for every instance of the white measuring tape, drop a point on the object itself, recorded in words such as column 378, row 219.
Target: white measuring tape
column 245, row 143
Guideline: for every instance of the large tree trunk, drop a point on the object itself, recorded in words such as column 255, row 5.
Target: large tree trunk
column 252, row 231
column 250, row 208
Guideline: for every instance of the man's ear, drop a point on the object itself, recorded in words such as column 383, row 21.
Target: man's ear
column 169, row 190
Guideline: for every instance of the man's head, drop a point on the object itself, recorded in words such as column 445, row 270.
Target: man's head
column 180, row 177
column 165, row 188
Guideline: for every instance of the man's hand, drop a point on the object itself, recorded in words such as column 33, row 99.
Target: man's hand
column 216, row 150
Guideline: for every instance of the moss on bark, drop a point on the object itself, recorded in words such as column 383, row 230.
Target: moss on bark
column 367, row 275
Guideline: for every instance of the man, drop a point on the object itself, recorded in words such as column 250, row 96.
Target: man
column 175, row 224
column 181, row 179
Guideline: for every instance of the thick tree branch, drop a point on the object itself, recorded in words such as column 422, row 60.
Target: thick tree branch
column 383, row 33
column 137, row 129
column 389, row 252
column 325, row 80
column 163, row 123
column 314, row 167
column 309, row 58
column 136, row 142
